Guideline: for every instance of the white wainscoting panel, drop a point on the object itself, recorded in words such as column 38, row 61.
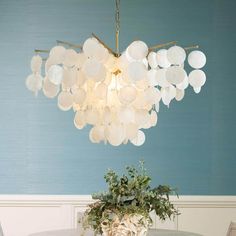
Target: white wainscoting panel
column 208, row 215
column 21, row 215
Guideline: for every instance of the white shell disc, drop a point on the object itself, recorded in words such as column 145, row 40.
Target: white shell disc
column 175, row 75
column 55, row 74
column 50, row 90
column 80, row 78
column 137, row 71
column 79, row 120
column 96, row 134
column 176, row 55
column 69, row 77
column 101, row 91
column 57, row 55
column 34, row 82
column 166, row 97
column 65, row 101
column 141, row 117
column 152, row 60
column 197, row 90
column 127, row 94
column 197, row 59
column 36, row 63
column 162, row 60
column 184, row 84
column 161, row 78
column 139, row 139
column 151, row 77
column 197, row 78
column 126, row 115
column 153, row 118
column 80, row 60
column 79, row 96
column 115, row 134
column 179, row 94
column 131, row 130
column 95, row 70
column 137, row 50
column 92, row 116
column 70, row 58
column 152, row 95
column 90, row 46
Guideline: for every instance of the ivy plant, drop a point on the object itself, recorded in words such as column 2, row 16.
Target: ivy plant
column 129, row 194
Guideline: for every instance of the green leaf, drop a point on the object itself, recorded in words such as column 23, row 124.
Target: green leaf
column 129, row 194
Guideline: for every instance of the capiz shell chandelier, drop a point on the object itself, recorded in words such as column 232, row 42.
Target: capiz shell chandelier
column 118, row 94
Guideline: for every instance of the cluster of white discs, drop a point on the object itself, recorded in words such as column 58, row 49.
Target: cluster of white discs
column 117, row 96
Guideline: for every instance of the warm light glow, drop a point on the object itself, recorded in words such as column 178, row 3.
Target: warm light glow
column 118, row 97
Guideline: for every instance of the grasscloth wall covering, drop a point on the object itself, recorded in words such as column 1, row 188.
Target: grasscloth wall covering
column 192, row 147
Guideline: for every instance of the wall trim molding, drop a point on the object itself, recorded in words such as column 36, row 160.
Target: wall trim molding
column 84, row 200
column 206, row 215
column 51, row 200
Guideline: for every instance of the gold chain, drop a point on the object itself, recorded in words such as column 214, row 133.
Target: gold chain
column 117, row 20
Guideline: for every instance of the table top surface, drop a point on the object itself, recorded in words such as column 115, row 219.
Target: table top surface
column 151, row 232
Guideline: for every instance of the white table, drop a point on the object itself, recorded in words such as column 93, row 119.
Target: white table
column 152, row 232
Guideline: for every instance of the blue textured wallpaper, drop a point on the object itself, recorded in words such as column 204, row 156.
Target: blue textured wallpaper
column 193, row 145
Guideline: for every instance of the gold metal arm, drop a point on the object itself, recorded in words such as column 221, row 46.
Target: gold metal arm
column 100, row 41
column 41, row 51
column 69, row 44
column 162, row 45
column 170, row 43
column 192, row 47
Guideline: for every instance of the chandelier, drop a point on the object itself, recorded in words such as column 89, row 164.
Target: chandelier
column 118, row 94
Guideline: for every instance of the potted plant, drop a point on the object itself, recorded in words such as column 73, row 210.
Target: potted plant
column 124, row 210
